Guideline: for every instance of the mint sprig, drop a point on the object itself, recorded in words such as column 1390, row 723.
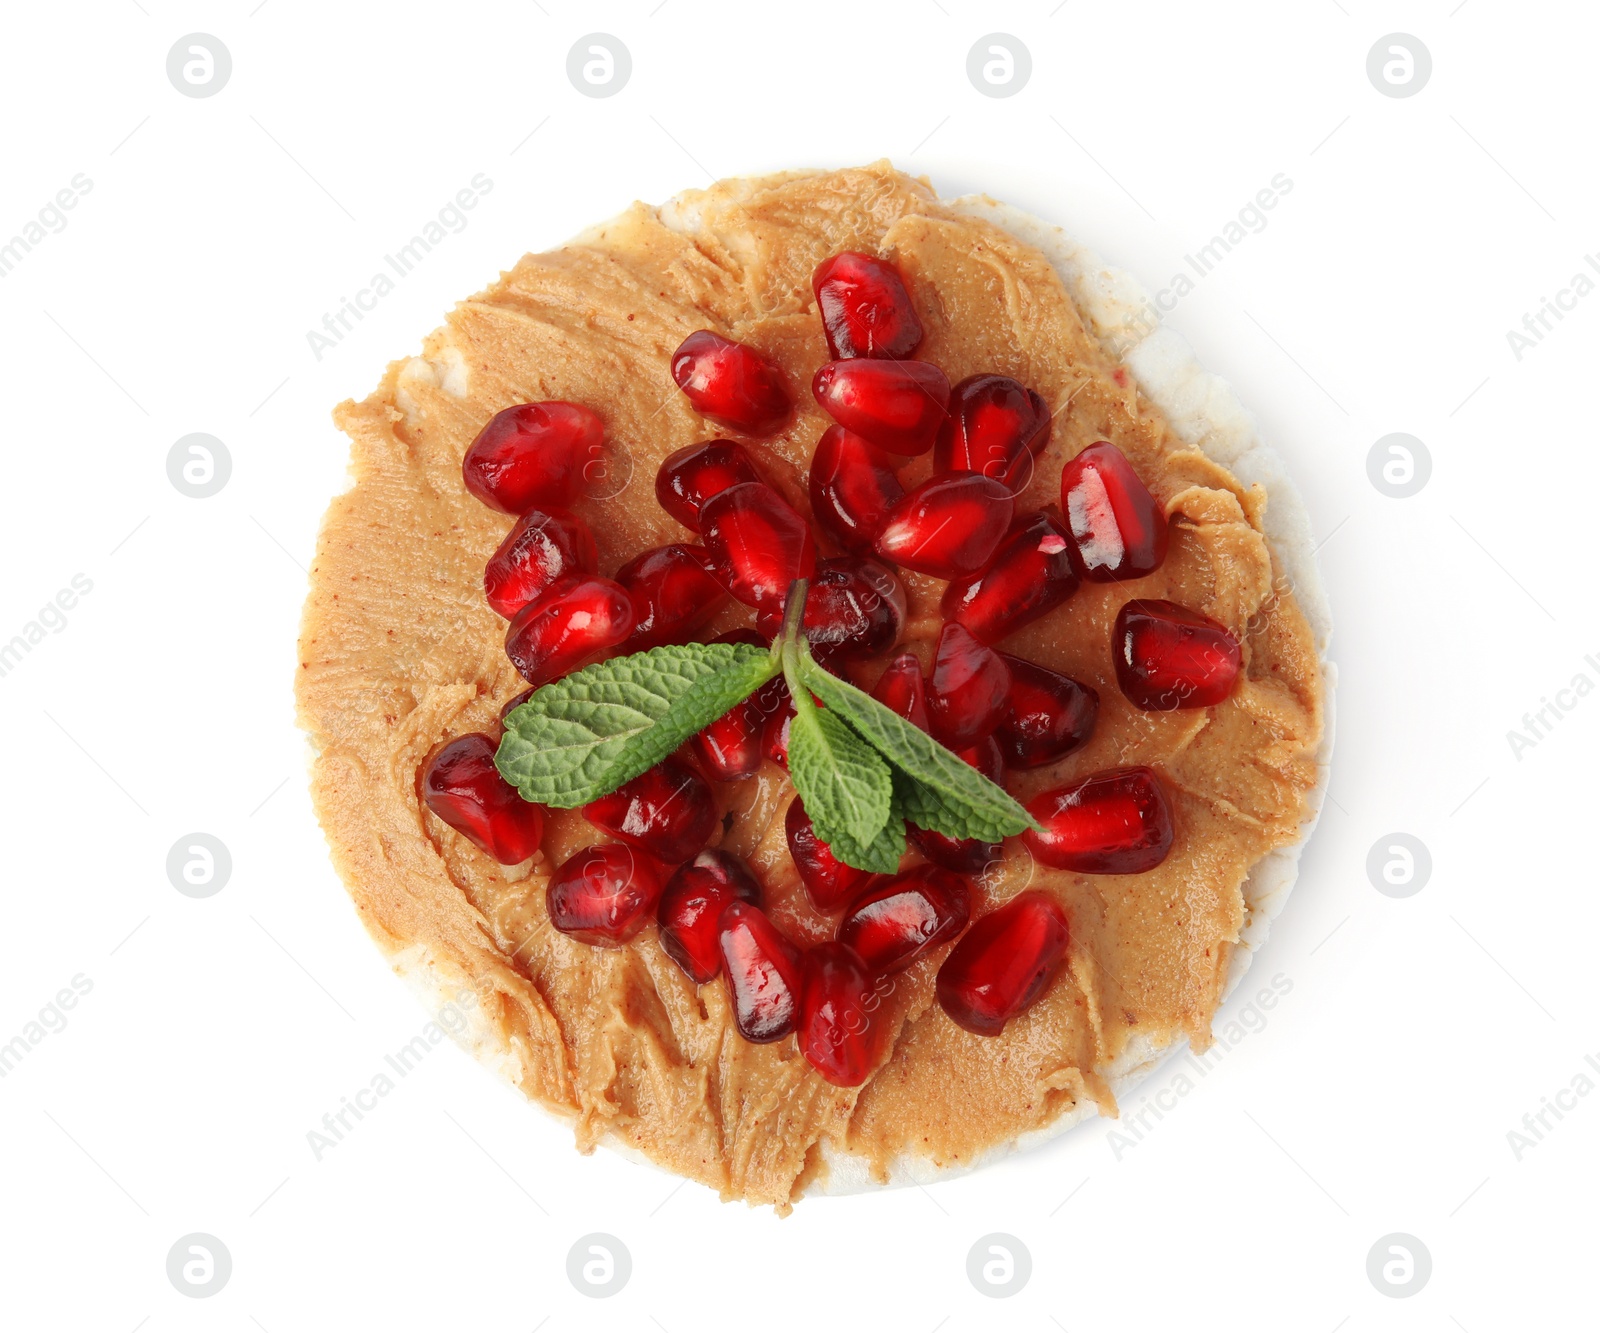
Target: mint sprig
column 860, row 768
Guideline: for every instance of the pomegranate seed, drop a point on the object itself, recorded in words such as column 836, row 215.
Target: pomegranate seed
column 779, row 706
column 1004, row 963
column 865, row 308
column 461, row 785
column 965, row 856
column 852, row 488
column 1168, row 656
column 985, row 756
column 603, row 895
column 1115, row 822
column 731, row 747
column 763, row 970
column 534, row 455
column 667, row 812
column 949, row 526
column 513, row 703
column 540, row 550
column 897, row 405
column 839, row 1029
column 757, row 543
column 573, row 624
column 1118, row 528
column 690, row 914
column 854, row 608
column 968, row 689
column 995, row 427
column 828, row 881
column 901, row 689
column 1031, row 574
column 672, row 593
column 730, row 383
column 691, row 476
column 893, row 925
column 1047, row 716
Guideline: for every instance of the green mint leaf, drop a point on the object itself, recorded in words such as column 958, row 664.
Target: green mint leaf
column 937, row 790
column 570, row 742
column 844, row 783
column 882, row 855
column 694, row 710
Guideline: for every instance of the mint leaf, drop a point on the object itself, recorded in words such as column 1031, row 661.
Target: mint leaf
column 844, row 783
column 937, row 789
column 881, row 855
column 695, row 709
column 570, row 742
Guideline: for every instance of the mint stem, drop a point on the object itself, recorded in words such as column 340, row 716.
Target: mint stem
column 794, row 610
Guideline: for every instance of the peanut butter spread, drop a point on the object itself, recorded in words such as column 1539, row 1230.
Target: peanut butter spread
column 399, row 652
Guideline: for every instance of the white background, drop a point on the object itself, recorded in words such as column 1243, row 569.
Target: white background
column 1418, row 1031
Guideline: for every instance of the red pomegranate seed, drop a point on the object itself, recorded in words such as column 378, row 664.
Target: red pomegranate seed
column 731, row 747
column 778, row 706
column 968, row 689
column 730, row 383
column 603, row 895
column 513, row 703
column 852, row 488
column 1031, row 574
column 757, row 543
column 534, row 455
column 828, row 881
column 965, row 856
column 865, row 308
column 691, row 476
column 854, row 608
column 896, row 405
column 995, row 427
column 902, row 689
column 573, row 624
column 672, row 593
column 894, row 924
column 1047, row 716
column 949, row 526
column 1004, row 963
column 540, row 550
column 1115, row 822
column 1168, row 656
column 461, row 785
column 840, row 1027
column 667, row 812
column 690, row 914
column 763, row 970
column 1117, row 527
